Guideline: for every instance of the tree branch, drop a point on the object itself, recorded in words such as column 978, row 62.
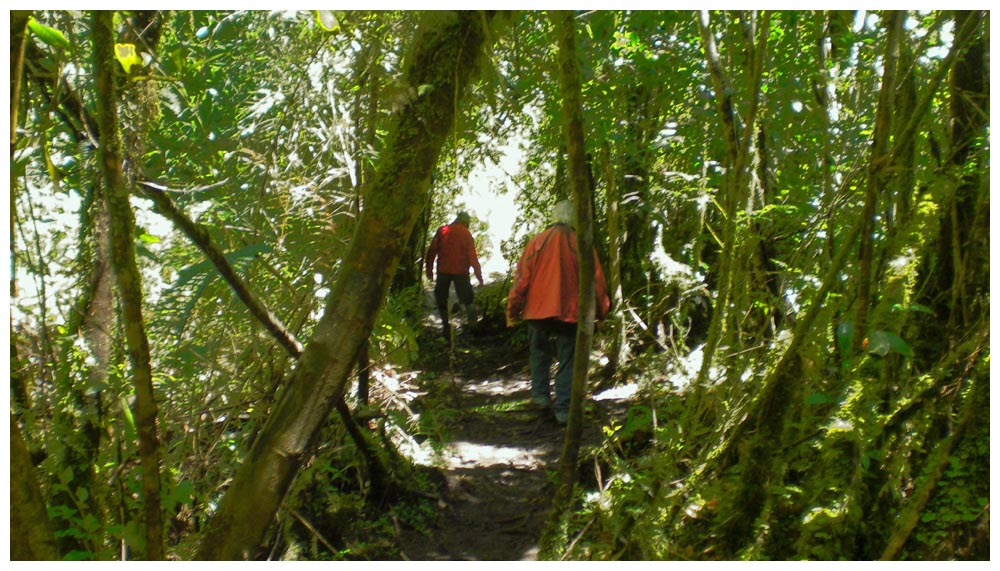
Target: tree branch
column 201, row 238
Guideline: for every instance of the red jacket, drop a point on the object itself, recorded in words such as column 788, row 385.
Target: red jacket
column 455, row 251
column 547, row 280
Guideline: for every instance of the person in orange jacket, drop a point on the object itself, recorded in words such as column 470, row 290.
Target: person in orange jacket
column 455, row 251
column 545, row 295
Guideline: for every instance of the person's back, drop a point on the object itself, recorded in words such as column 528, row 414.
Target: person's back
column 455, row 249
column 455, row 252
column 547, row 281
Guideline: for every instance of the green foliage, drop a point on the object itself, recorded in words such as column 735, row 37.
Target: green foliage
column 50, row 36
column 264, row 127
column 394, row 336
column 955, row 523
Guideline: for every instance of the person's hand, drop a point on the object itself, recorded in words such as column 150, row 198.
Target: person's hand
column 513, row 318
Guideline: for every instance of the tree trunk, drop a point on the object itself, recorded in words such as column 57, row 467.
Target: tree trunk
column 876, row 176
column 734, row 186
column 750, row 322
column 755, row 441
column 907, row 519
column 825, row 90
column 949, row 294
column 31, row 535
column 128, row 278
column 618, row 349
column 731, row 138
column 92, row 319
column 446, row 49
column 18, row 27
column 570, row 91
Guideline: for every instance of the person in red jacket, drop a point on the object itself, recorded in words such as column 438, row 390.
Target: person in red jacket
column 545, row 295
column 455, row 251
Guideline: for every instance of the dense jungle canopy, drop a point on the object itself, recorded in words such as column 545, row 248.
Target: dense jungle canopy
column 218, row 222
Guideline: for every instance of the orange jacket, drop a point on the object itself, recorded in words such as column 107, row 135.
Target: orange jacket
column 455, row 251
column 547, row 280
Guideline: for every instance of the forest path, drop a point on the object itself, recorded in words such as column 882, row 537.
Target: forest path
column 497, row 454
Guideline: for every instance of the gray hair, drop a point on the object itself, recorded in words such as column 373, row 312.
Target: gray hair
column 564, row 212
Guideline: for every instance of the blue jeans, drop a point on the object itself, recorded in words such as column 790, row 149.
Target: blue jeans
column 541, row 334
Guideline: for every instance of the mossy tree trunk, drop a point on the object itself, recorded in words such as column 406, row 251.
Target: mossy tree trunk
column 618, row 345
column 877, row 176
column 18, row 36
column 951, row 276
column 758, row 437
column 446, row 49
column 31, row 532
column 572, row 105
column 735, row 187
column 122, row 221
column 77, row 438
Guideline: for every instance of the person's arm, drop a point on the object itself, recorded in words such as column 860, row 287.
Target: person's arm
column 518, row 294
column 432, row 252
column 476, row 268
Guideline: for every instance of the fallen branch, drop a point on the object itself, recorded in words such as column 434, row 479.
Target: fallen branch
column 201, row 238
column 313, row 531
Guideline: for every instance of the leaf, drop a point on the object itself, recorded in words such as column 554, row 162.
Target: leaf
column 819, row 398
column 424, row 89
column 126, row 55
column 916, row 307
column 845, row 337
column 881, row 342
column 189, row 306
column 149, row 238
column 90, row 523
column 920, row 308
column 182, row 493
column 878, row 344
column 130, row 431
column 82, row 494
column 50, row 36
column 245, row 253
column 60, row 512
column 77, row 555
column 327, row 19
column 134, row 535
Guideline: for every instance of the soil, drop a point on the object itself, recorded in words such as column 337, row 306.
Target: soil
column 501, row 457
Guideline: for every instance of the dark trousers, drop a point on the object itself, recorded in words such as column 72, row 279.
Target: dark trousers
column 463, row 288
column 548, row 338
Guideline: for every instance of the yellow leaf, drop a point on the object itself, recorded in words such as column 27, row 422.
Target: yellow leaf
column 127, row 56
column 328, row 20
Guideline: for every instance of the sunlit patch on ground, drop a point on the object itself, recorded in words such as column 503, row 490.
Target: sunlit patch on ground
column 491, row 387
column 618, row 393
column 463, row 454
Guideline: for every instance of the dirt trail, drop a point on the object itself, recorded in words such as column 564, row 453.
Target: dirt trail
column 499, row 461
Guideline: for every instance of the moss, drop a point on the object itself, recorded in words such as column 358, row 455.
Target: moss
column 955, row 523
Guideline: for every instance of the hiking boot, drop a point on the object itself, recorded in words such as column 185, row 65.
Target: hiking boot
column 541, row 403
